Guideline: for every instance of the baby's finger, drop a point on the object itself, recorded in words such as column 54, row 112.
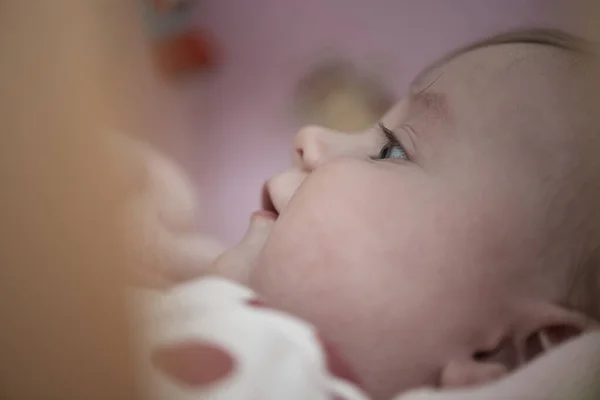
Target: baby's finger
column 237, row 262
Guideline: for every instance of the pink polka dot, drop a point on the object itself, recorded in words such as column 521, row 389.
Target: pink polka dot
column 256, row 303
column 194, row 363
column 336, row 365
column 337, row 397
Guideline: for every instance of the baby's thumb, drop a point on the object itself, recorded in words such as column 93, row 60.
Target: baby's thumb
column 237, row 262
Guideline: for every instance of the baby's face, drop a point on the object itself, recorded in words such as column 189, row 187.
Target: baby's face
column 419, row 251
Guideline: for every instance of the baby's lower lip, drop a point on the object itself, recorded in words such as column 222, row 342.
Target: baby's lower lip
column 268, row 209
column 265, row 214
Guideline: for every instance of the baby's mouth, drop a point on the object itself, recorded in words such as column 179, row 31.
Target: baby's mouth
column 267, row 205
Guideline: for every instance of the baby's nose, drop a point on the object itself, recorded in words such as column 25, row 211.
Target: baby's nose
column 315, row 146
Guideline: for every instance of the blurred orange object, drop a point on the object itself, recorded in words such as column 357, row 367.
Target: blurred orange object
column 185, row 53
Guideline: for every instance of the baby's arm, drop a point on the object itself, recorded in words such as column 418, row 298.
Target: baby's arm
column 570, row 372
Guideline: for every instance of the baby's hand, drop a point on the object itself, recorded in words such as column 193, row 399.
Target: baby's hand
column 237, row 262
column 159, row 219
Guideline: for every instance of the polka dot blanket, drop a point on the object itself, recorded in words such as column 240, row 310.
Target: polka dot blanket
column 211, row 339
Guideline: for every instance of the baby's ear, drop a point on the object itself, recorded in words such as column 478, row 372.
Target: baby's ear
column 552, row 328
column 548, row 327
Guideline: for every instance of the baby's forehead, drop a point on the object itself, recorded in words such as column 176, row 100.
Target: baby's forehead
column 516, row 86
column 515, row 89
column 500, row 83
column 509, row 95
column 498, row 50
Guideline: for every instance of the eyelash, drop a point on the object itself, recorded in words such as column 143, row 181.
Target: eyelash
column 391, row 141
column 389, row 135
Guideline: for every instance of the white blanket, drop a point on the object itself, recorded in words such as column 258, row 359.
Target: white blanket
column 212, row 339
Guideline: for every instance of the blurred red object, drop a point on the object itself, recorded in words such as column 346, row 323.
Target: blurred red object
column 186, row 53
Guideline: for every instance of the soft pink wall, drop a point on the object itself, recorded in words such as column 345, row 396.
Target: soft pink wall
column 241, row 112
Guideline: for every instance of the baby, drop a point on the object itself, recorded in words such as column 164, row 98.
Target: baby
column 451, row 246
column 456, row 240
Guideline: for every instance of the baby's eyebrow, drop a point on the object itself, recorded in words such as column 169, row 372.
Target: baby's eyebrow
column 430, row 103
column 544, row 37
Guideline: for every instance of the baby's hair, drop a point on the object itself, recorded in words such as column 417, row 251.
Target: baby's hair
column 541, row 36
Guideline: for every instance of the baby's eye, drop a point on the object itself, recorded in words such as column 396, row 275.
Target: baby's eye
column 393, row 149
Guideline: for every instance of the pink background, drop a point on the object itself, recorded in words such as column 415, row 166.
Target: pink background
column 239, row 125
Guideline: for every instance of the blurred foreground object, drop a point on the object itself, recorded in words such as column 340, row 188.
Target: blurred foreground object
column 338, row 96
column 160, row 221
column 67, row 68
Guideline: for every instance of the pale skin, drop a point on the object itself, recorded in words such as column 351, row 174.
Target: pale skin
column 446, row 259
